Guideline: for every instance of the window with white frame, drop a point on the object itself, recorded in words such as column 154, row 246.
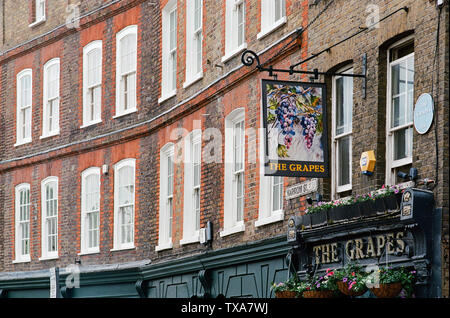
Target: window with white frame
column 234, row 172
column 342, row 132
column 124, row 187
column 234, row 28
column 126, row 41
column 92, row 83
column 50, row 122
column 273, row 15
column 39, row 11
column 194, row 41
column 169, row 51
column 166, row 180
column 192, row 176
column 270, row 195
column 90, row 210
column 23, row 206
column 400, row 101
column 49, row 194
column 24, row 105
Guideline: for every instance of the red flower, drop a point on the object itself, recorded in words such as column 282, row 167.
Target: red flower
column 353, row 274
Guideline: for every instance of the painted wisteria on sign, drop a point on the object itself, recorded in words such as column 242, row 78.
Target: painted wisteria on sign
column 296, row 132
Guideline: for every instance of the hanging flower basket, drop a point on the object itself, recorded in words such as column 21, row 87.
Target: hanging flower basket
column 286, row 294
column 387, row 290
column 318, row 294
column 343, row 288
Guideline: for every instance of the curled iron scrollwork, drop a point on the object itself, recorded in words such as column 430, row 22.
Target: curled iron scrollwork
column 249, row 57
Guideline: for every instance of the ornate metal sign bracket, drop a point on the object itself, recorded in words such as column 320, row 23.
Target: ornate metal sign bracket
column 249, row 57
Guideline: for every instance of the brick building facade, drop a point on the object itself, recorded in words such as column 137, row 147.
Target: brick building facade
column 189, row 77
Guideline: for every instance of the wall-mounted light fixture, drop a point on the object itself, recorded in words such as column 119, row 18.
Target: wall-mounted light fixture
column 317, row 199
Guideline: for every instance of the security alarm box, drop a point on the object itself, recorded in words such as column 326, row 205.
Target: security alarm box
column 367, row 162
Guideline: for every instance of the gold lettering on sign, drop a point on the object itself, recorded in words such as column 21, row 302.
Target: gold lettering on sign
column 359, row 251
column 334, row 255
column 400, row 243
column 370, row 248
column 390, row 243
column 316, row 250
column 349, row 251
column 380, row 244
column 361, row 248
column 325, row 254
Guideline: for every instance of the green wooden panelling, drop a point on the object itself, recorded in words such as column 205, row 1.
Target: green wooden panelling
column 240, row 271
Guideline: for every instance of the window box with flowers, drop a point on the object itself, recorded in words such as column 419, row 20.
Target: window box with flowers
column 319, row 287
column 391, row 196
column 317, row 215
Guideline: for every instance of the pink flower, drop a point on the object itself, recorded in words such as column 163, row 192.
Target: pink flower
column 383, row 187
column 351, row 285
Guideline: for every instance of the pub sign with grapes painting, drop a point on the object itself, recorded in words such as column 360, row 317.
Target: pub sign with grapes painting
column 295, row 126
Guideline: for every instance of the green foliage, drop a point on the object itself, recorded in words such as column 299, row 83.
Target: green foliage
column 353, row 276
column 288, row 285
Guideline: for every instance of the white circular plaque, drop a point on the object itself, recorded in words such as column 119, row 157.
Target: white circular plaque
column 423, row 113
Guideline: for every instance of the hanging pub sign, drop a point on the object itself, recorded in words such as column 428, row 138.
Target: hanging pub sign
column 294, row 119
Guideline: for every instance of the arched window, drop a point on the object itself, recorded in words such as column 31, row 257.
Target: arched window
column 50, row 119
column 23, row 207
column 169, row 51
column 192, row 181
column 124, row 187
column 126, row 65
column 90, row 210
column 49, row 217
column 166, row 197
column 24, row 106
column 194, row 38
column 92, row 83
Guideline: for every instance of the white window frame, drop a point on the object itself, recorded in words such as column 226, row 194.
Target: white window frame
column 269, row 23
column 41, row 17
column 94, row 45
column 336, row 189
column 19, row 256
column 168, row 56
column 231, row 224
column 193, row 35
column 191, row 217
column 164, row 237
column 46, row 132
column 266, row 214
column 20, row 139
column 45, row 254
column 120, row 111
column 232, row 47
column 84, row 214
column 392, row 164
column 117, row 244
